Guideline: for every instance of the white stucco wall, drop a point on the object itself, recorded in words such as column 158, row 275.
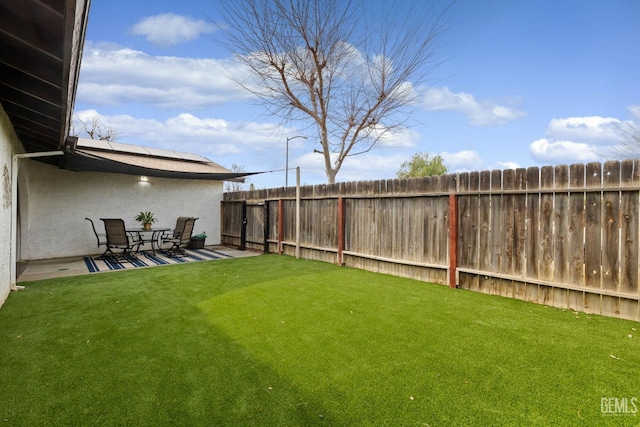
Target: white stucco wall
column 8, row 147
column 53, row 221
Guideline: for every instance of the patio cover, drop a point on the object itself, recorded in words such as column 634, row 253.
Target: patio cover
column 83, row 154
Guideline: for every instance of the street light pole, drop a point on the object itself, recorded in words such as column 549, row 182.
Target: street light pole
column 286, row 166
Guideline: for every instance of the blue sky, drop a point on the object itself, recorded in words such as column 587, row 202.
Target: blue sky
column 523, row 83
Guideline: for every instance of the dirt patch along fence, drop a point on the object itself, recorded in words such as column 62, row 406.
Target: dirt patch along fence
column 564, row 236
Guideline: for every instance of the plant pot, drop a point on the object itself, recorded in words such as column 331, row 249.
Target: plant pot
column 196, row 243
column 146, row 226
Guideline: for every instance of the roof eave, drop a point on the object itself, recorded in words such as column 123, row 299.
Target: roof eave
column 76, row 161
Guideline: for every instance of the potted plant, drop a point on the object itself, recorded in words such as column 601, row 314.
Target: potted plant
column 146, row 219
column 197, row 241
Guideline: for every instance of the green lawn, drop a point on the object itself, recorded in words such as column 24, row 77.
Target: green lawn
column 275, row 341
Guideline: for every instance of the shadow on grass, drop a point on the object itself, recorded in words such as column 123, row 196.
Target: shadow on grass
column 132, row 348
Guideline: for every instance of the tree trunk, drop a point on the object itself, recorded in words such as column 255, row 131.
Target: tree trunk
column 331, row 176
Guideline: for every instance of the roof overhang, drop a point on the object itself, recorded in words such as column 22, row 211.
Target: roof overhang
column 88, row 155
column 41, row 44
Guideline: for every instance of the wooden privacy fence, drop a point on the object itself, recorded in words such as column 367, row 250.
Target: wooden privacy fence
column 565, row 236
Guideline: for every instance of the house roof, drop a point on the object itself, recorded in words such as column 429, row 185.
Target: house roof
column 41, row 45
column 83, row 154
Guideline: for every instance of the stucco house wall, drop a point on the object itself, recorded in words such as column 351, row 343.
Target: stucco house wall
column 8, row 147
column 52, row 217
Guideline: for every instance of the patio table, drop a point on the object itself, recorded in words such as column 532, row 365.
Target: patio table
column 156, row 234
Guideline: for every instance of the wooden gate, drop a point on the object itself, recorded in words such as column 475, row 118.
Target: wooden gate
column 243, row 224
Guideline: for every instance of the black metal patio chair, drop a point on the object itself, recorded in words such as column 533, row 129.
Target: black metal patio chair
column 180, row 237
column 101, row 238
column 119, row 239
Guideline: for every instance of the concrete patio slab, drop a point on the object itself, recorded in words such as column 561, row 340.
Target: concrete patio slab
column 74, row 266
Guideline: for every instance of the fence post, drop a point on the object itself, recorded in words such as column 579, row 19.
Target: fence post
column 298, row 212
column 340, row 229
column 243, row 227
column 453, row 240
column 266, row 227
column 280, row 224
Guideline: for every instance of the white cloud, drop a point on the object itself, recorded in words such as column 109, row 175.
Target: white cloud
column 555, row 152
column 579, row 139
column 369, row 167
column 112, row 74
column 595, row 129
column 395, row 138
column 365, row 167
column 479, row 113
column 185, row 132
column 462, row 161
column 635, row 111
column 169, row 29
column 507, row 165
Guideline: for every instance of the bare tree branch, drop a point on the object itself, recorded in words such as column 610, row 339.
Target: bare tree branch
column 237, row 184
column 95, row 129
column 630, row 148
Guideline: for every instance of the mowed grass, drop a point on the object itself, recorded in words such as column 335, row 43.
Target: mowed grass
column 275, row 341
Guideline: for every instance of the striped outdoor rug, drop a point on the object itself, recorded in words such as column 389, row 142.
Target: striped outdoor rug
column 147, row 258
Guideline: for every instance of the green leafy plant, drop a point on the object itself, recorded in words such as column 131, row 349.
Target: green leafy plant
column 146, row 217
column 420, row 165
column 202, row 236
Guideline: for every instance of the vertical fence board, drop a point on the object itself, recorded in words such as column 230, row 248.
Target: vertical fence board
column 347, row 212
column 232, row 222
column 472, row 232
column 629, row 309
column 385, row 223
column 611, row 228
column 593, row 237
column 629, row 231
column 610, row 306
column 442, row 237
column 466, row 281
column 519, row 291
column 255, row 225
column 520, row 224
column 444, row 183
column 468, row 206
column 561, row 232
column 474, row 182
column 507, row 289
column 560, row 298
column 575, row 236
column 509, row 241
column 396, row 219
column 533, row 221
column 546, row 250
column 484, row 224
column 496, row 230
column 432, row 229
column 561, row 225
column 484, row 284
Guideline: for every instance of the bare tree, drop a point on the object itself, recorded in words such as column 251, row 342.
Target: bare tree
column 346, row 70
column 238, row 184
column 630, row 147
column 96, row 129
